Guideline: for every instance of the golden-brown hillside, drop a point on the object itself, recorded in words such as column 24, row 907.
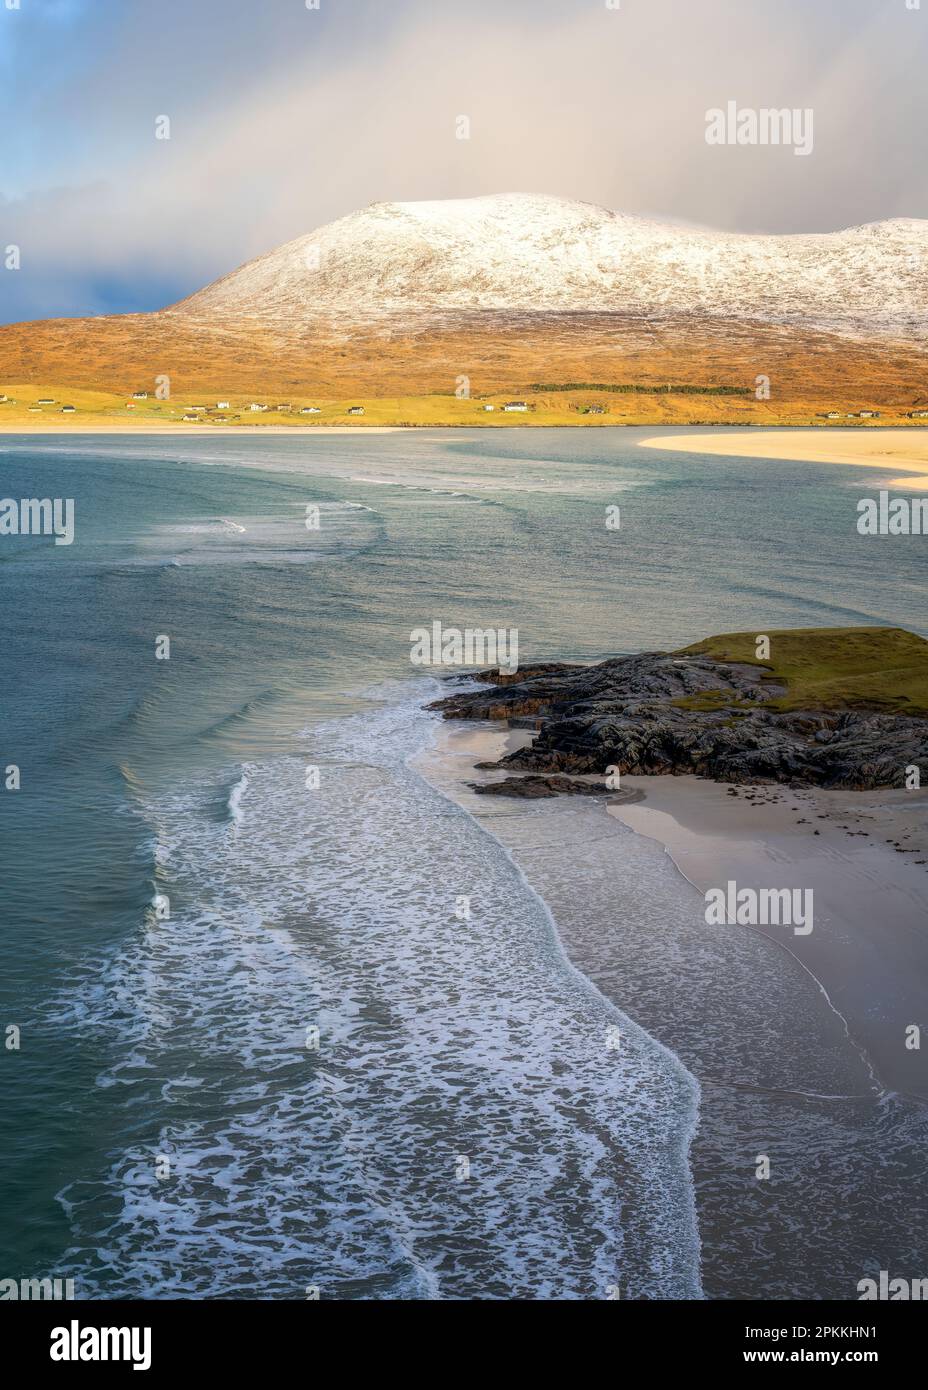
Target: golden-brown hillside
column 810, row 372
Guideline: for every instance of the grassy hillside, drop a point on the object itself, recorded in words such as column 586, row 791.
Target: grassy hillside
column 588, row 406
column 581, row 406
column 405, row 372
column 835, row 667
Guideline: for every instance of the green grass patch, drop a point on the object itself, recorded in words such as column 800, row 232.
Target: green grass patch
column 830, row 668
column 637, row 389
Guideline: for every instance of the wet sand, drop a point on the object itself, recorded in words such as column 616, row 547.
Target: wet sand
column 864, row 856
column 781, row 1071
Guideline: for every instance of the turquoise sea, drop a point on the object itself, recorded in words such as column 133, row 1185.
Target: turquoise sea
column 261, row 1054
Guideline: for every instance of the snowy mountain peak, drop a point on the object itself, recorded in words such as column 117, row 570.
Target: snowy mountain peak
column 521, row 253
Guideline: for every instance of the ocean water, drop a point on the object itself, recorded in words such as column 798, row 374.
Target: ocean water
column 292, row 1019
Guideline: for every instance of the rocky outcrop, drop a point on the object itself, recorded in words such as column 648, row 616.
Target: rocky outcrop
column 533, row 787
column 626, row 714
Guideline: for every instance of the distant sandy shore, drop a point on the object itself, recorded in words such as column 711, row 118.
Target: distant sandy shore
column 210, row 431
column 870, row 447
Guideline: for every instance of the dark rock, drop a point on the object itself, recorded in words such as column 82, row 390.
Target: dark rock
column 531, row 788
column 625, row 714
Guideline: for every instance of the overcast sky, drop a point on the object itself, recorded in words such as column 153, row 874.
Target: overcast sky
column 283, row 118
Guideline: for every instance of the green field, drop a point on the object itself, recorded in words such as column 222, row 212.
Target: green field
column 875, row 668
column 584, row 405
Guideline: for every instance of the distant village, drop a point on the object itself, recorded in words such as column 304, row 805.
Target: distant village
column 222, row 412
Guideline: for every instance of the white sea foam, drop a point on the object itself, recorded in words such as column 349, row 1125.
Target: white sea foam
column 235, row 799
column 345, row 527
column 439, row 1039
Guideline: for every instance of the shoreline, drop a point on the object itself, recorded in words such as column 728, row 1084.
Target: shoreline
column 862, row 854
column 777, row 1069
column 888, row 447
column 447, row 764
column 868, row 950
column 764, row 442
column 118, row 428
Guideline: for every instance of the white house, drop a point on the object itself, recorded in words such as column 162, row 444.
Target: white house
column 310, row 410
column 516, row 405
column 356, row 410
column 489, row 407
column 140, row 395
column 256, row 405
column 68, row 409
column 223, row 405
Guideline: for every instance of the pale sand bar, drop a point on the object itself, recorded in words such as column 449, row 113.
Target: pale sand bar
column 866, row 447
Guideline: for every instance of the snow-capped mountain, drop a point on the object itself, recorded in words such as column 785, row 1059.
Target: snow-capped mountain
column 522, row 253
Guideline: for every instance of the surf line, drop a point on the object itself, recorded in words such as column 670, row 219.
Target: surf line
column 689, row 1219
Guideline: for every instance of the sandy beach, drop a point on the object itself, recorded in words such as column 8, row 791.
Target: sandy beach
column 797, row 1043
column 117, row 427
column 864, row 855
column 905, row 450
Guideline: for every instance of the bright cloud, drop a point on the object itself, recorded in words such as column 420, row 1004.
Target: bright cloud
column 283, row 118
